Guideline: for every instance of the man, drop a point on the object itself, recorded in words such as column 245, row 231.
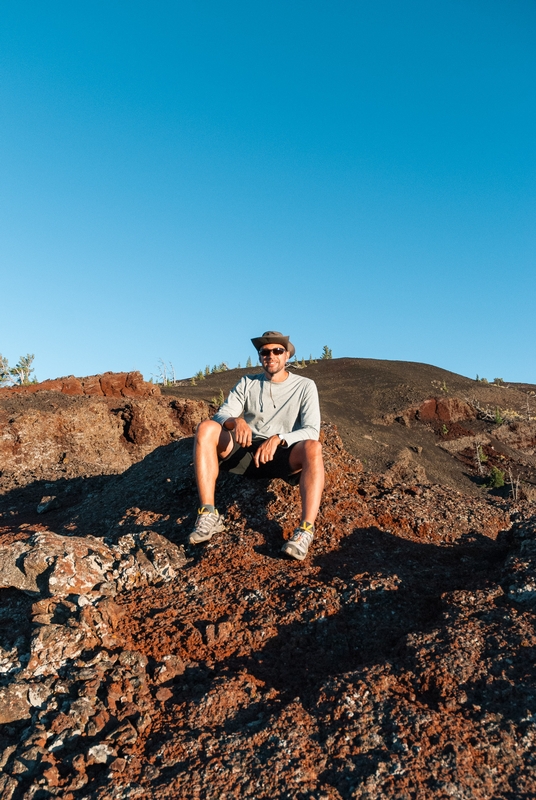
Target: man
column 267, row 428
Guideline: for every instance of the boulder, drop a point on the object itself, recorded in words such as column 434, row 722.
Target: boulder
column 14, row 703
column 59, row 566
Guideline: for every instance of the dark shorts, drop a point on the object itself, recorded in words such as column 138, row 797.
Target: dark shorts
column 240, row 462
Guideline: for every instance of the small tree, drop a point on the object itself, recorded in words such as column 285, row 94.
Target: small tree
column 223, row 367
column 5, row 376
column 529, row 395
column 20, row 373
column 164, row 377
column 219, row 399
column 248, row 363
column 326, row 353
column 495, row 478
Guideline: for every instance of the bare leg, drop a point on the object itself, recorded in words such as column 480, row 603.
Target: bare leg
column 211, row 441
column 307, row 455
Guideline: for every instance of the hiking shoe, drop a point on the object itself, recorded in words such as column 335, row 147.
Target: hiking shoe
column 206, row 525
column 298, row 546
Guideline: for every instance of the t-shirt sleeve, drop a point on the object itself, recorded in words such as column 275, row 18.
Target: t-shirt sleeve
column 309, row 425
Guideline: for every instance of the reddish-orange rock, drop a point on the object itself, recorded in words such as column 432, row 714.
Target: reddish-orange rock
column 444, row 409
column 92, row 385
column 110, row 384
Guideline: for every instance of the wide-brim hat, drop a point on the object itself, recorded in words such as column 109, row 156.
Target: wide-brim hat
column 274, row 337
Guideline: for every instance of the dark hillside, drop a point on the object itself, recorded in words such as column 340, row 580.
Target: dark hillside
column 365, row 397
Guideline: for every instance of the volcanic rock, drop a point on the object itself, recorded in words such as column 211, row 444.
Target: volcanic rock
column 109, row 384
column 396, row 661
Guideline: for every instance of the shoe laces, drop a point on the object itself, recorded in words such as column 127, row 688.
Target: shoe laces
column 204, row 521
column 301, row 535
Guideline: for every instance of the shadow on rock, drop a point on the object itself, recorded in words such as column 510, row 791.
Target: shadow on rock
column 349, row 619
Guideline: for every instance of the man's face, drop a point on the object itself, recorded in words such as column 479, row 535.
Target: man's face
column 273, row 358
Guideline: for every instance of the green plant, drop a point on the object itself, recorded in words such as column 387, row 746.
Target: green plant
column 498, row 381
column 20, row 373
column 219, row 399
column 199, row 376
column 326, row 353
column 444, row 429
column 219, row 368
column 441, row 385
column 495, row 479
column 207, row 370
column 482, row 457
column 248, row 363
column 498, row 418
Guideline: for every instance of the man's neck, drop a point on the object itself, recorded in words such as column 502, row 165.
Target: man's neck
column 277, row 377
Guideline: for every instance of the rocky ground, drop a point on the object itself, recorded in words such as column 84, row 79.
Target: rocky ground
column 398, row 661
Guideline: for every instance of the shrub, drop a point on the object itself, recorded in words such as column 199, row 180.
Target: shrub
column 326, row 352
column 495, row 478
column 219, row 368
column 219, row 399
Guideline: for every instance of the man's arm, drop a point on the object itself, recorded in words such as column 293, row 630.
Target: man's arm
column 309, row 417
column 229, row 414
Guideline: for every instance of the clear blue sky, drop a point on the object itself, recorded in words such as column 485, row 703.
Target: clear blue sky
column 177, row 177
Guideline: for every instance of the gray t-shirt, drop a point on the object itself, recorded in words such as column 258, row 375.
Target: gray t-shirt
column 290, row 408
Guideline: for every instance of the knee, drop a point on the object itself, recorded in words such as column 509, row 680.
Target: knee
column 207, row 431
column 312, row 450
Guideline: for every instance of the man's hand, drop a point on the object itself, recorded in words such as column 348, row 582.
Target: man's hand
column 242, row 432
column 266, row 451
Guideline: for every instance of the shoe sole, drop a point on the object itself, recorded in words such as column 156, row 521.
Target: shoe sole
column 290, row 550
column 196, row 538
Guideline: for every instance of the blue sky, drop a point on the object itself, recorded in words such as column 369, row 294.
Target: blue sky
column 178, row 177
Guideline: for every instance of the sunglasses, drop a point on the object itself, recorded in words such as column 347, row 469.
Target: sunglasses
column 277, row 351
